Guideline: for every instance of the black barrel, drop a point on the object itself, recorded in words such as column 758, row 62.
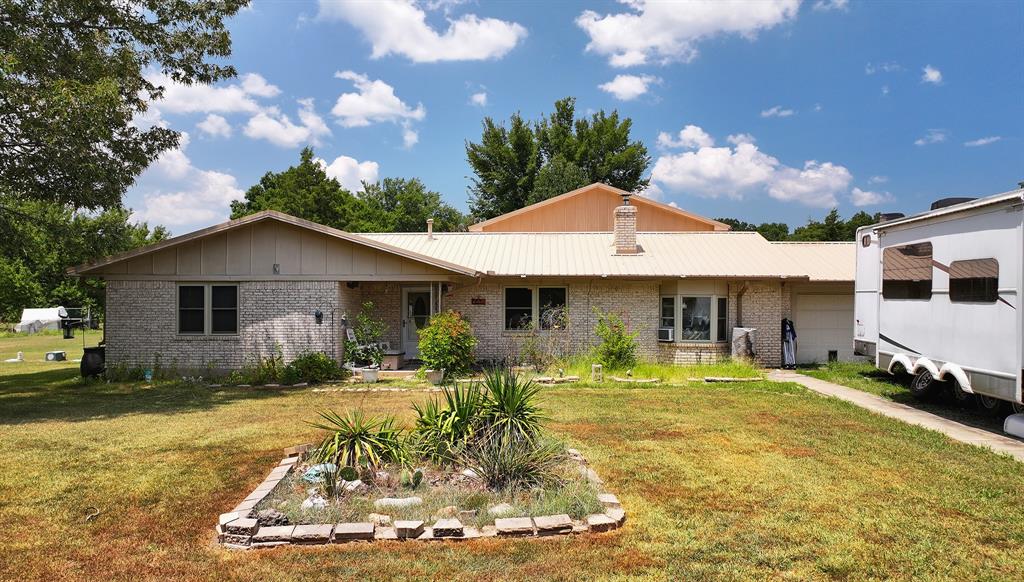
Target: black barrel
column 93, row 361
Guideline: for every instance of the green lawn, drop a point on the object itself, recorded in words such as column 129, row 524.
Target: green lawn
column 864, row 376
column 735, row 481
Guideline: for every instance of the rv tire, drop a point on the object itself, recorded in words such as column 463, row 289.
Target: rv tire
column 924, row 386
column 960, row 397
column 991, row 406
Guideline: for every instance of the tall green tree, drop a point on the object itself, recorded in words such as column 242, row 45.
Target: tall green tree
column 400, row 205
column 532, row 161
column 831, row 228
column 37, row 252
column 73, row 78
column 304, row 190
column 390, row 205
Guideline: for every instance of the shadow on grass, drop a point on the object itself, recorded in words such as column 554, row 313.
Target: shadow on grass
column 943, row 404
column 64, row 395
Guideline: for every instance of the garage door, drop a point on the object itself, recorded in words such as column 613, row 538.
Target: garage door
column 823, row 323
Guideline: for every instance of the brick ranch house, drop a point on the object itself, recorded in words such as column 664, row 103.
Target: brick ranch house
column 217, row 296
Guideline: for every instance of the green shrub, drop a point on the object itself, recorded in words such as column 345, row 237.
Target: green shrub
column 369, row 332
column 447, row 343
column 506, row 462
column 311, row 367
column 357, row 441
column 124, row 373
column 509, row 404
column 438, row 431
column 617, row 349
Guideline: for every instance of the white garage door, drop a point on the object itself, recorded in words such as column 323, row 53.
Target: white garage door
column 823, row 323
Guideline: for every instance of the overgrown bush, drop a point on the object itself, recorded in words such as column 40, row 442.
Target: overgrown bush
column 124, row 373
column 447, row 343
column 311, row 367
column 617, row 349
column 440, row 430
column 357, row 441
column 505, row 461
column 369, row 332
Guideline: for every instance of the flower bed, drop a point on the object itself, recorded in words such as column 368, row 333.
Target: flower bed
column 371, row 515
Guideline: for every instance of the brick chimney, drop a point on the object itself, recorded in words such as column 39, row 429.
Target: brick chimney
column 625, row 228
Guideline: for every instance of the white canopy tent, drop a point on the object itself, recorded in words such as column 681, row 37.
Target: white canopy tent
column 37, row 320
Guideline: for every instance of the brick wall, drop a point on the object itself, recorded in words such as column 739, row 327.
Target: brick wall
column 686, row 353
column 765, row 303
column 635, row 301
column 141, row 322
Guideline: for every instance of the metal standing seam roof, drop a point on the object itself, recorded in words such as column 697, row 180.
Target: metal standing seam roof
column 722, row 254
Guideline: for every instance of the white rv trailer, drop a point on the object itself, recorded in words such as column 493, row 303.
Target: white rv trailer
column 938, row 295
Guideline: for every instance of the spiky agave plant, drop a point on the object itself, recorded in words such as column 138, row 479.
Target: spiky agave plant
column 358, row 441
column 510, row 405
column 439, row 430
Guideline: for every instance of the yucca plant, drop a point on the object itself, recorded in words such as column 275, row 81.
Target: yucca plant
column 506, row 461
column 509, row 404
column 439, row 430
column 357, row 441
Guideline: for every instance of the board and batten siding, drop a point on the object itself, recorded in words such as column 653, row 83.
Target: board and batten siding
column 252, row 251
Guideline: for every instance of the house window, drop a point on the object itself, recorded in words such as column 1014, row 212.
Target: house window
column 518, row 307
column 208, row 309
column 974, row 281
column 696, row 319
column 907, row 272
column 535, row 308
column 551, row 301
column 722, row 319
column 668, row 312
column 192, row 309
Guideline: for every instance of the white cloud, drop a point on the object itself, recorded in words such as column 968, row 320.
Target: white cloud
column 690, row 137
column 931, row 75
column 866, row 198
column 410, row 136
column 215, row 126
column 743, row 169
column 738, row 138
column 400, row 27
column 933, row 136
column 878, row 179
column 278, row 128
column 479, row 99
column 194, row 197
column 886, row 67
column 818, row 107
column 254, row 84
column 777, row 111
column 982, row 141
column 628, row 87
column 829, row 5
column 199, row 98
column 350, row 172
column 375, row 102
column 665, row 32
column 885, row 89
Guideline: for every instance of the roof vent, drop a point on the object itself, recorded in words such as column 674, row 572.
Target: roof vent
column 887, row 216
column 430, row 228
column 944, row 202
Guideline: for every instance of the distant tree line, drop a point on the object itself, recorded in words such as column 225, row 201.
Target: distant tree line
column 831, row 228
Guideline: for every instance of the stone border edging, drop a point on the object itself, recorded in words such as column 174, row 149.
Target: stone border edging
column 236, row 530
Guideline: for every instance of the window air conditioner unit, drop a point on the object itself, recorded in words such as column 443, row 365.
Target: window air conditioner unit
column 666, row 334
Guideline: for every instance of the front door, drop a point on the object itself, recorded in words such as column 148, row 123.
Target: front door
column 415, row 315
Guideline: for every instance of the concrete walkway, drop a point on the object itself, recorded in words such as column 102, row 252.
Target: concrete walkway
column 908, row 414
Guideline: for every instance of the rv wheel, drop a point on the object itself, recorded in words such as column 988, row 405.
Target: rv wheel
column 991, row 406
column 960, row 397
column 924, row 386
column 1018, row 408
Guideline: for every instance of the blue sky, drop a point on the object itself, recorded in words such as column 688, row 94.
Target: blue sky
column 764, row 111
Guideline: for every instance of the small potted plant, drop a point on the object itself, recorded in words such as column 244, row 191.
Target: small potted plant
column 365, row 349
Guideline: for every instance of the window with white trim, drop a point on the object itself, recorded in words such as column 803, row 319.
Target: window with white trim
column 535, row 308
column 699, row 318
column 207, row 309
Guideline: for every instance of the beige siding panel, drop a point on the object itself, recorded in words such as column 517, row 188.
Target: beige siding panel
column 414, row 268
column 141, row 265
column 264, row 248
column 388, row 264
column 339, row 257
column 314, row 254
column 215, row 255
column 165, row 262
column 289, row 249
column 240, row 251
column 190, row 258
column 364, row 261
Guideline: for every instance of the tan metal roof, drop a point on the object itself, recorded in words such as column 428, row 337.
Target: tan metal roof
column 721, row 254
column 822, row 261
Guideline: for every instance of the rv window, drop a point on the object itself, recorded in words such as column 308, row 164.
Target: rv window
column 976, row 280
column 907, row 272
